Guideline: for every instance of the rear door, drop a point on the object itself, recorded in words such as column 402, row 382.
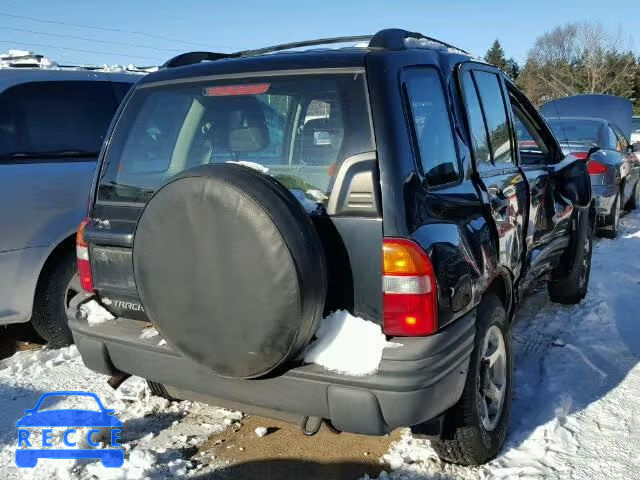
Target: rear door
column 503, row 183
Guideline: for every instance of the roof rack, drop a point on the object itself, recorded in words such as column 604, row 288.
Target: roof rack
column 388, row 39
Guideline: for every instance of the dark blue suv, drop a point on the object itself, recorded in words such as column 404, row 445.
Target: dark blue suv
column 394, row 187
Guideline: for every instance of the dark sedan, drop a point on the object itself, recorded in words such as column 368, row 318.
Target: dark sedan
column 613, row 164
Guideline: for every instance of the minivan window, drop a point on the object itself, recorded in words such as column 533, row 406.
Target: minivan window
column 297, row 128
column 496, row 116
column 54, row 119
column 431, row 126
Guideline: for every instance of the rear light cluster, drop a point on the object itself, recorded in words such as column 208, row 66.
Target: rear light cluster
column 581, row 155
column 82, row 252
column 596, row 168
column 410, row 292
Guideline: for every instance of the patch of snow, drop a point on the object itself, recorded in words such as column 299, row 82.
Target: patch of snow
column 252, row 165
column 261, row 431
column 27, row 59
column 95, row 313
column 310, row 205
column 162, row 342
column 149, row 332
column 347, row 344
column 316, row 195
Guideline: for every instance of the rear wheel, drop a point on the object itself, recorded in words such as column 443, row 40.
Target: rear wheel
column 476, row 427
column 58, row 284
column 571, row 288
column 612, row 221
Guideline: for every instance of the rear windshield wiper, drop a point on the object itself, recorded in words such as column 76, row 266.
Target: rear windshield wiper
column 50, row 154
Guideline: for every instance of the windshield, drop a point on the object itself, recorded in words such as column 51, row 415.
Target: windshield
column 569, row 130
column 298, row 128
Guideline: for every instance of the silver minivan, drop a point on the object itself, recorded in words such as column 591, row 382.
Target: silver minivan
column 52, row 125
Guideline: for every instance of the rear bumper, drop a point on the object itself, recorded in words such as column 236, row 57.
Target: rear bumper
column 414, row 383
column 605, row 196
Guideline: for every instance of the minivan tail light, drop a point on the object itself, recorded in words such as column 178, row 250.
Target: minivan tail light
column 581, row 155
column 596, row 168
column 82, row 252
column 409, row 288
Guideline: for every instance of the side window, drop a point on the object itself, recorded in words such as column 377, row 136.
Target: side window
column 612, row 139
column 432, row 126
column 530, row 143
column 478, row 128
column 42, row 119
column 622, row 141
column 496, row 116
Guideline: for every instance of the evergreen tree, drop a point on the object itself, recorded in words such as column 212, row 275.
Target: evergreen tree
column 495, row 56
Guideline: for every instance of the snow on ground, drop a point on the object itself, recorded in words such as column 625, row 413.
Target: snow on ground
column 158, row 436
column 577, row 383
column 577, row 393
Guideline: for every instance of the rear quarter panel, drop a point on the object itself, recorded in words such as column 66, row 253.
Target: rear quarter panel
column 41, row 204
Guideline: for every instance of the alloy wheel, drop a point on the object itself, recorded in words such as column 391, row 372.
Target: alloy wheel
column 492, row 384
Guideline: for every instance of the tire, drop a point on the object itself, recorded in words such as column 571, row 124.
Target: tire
column 571, row 288
column 58, row 283
column 634, row 201
column 230, row 270
column 159, row 390
column 612, row 221
column 466, row 438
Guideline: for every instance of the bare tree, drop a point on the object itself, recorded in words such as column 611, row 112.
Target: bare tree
column 579, row 58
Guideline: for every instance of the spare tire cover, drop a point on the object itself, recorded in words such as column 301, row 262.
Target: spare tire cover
column 230, row 269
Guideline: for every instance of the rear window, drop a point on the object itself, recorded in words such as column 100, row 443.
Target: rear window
column 296, row 128
column 586, row 132
column 42, row 119
column 635, row 124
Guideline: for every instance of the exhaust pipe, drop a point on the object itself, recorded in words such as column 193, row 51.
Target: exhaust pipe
column 116, row 380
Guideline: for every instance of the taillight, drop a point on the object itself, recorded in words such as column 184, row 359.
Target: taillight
column 410, row 292
column 581, row 155
column 596, row 168
column 82, row 252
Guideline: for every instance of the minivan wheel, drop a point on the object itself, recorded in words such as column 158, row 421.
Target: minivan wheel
column 572, row 288
column 476, row 427
column 58, row 284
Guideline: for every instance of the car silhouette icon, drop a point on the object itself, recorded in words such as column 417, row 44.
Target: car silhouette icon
column 70, row 419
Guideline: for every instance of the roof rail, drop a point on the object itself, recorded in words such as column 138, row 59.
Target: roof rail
column 305, row 43
column 388, row 39
column 397, row 39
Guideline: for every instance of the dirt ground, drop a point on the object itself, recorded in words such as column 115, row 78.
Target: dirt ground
column 285, row 453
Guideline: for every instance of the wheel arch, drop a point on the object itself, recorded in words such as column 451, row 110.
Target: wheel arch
column 502, row 287
column 64, row 246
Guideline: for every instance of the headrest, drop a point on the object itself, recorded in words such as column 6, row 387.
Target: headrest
column 248, row 139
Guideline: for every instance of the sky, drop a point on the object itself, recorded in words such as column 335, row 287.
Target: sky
column 146, row 32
